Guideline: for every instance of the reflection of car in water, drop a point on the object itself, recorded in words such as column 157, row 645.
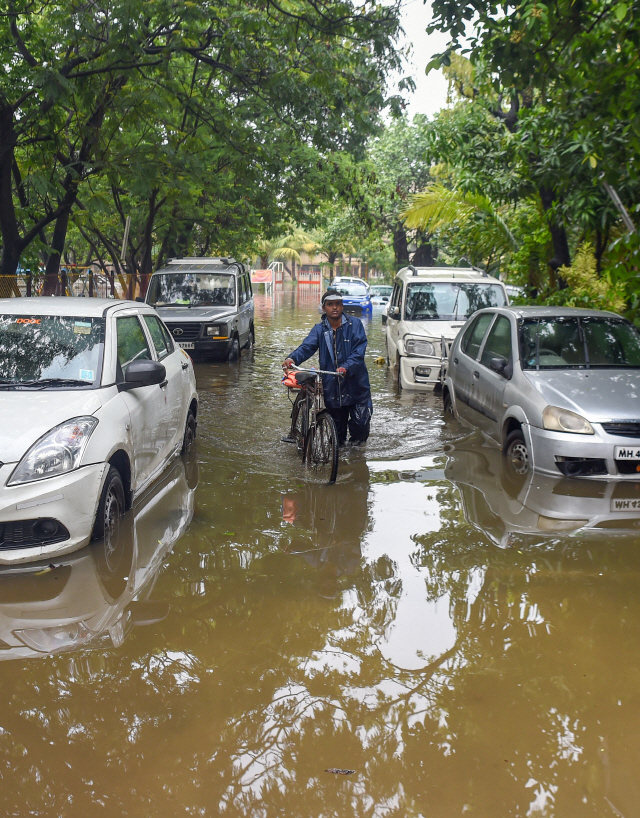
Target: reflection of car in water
column 326, row 525
column 502, row 504
column 94, row 597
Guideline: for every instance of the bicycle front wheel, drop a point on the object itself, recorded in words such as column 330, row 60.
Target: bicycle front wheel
column 298, row 421
column 321, row 455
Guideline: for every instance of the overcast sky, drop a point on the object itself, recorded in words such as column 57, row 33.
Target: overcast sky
column 431, row 91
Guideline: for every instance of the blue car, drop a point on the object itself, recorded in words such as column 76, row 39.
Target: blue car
column 355, row 296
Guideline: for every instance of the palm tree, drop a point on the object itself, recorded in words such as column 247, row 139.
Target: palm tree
column 482, row 223
column 287, row 248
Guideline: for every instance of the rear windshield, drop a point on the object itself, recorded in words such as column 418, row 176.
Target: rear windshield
column 55, row 349
column 440, row 301
column 575, row 343
column 351, row 288
column 192, row 290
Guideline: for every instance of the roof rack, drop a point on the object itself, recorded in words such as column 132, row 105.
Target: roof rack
column 205, row 259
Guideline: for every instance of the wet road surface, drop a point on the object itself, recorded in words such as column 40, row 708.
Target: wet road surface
column 462, row 643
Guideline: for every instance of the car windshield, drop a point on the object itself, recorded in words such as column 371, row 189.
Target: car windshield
column 381, row 290
column 192, row 290
column 50, row 350
column 574, row 343
column 352, row 288
column 441, row 301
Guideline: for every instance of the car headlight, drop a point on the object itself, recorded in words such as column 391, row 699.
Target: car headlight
column 422, row 348
column 213, row 330
column 562, row 420
column 58, row 637
column 57, row 452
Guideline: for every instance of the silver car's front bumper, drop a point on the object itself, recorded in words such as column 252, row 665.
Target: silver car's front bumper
column 549, row 449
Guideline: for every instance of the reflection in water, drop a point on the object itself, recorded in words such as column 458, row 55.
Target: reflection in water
column 97, row 595
column 466, row 644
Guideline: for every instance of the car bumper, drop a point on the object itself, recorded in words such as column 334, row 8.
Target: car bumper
column 560, row 453
column 70, row 499
column 419, row 373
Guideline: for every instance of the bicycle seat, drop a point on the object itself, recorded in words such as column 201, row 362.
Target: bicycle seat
column 303, row 377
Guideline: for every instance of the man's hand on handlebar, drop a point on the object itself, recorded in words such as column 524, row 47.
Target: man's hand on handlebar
column 341, row 371
column 288, row 364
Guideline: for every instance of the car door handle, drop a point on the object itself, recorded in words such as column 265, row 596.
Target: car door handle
column 476, row 374
column 163, row 384
column 455, row 360
column 184, row 365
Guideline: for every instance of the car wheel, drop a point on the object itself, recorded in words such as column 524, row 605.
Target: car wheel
column 516, row 453
column 111, row 506
column 251, row 340
column 189, row 433
column 447, row 405
column 234, row 352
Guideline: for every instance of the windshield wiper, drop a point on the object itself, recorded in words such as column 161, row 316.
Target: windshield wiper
column 54, row 382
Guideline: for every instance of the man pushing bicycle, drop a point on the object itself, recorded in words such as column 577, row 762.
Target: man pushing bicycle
column 341, row 342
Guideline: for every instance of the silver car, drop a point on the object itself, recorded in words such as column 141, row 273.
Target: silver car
column 557, row 388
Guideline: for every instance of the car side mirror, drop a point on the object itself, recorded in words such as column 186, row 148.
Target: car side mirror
column 502, row 366
column 142, row 373
column 394, row 312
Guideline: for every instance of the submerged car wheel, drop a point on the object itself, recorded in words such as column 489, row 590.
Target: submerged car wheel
column 447, row 405
column 234, row 352
column 111, row 506
column 516, row 453
column 189, row 433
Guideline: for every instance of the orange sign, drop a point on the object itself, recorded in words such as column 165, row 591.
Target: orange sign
column 261, row 276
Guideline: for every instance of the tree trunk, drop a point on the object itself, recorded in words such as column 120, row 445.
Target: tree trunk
column 52, row 269
column 400, row 246
column 561, row 254
column 423, row 257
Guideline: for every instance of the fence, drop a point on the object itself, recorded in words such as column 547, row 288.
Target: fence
column 78, row 282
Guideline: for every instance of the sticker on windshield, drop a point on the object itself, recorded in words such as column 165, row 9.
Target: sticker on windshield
column 86, row 375
column 27, row 320
column 82, row 328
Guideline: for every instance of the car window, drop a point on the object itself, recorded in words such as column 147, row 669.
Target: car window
column 585, row 342
column 249, row 289
column 38, row 347
column 352, row 288
column 167, row 337
column 157, row 336
column 242, row 290
column 132, row 345
column 498, row 343
column 213, row 289
column 395, row 297
column 475, row 333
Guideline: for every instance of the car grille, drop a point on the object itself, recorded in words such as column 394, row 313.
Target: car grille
column 625, row 428
column 184, row 332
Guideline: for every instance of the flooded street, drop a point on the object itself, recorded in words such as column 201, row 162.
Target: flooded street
column 462, row 643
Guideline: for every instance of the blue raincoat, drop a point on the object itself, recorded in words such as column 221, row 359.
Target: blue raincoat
column 351, row 343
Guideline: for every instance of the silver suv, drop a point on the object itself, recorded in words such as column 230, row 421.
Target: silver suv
column 207, row 304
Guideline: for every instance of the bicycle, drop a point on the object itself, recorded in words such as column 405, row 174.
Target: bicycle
column 313, row 430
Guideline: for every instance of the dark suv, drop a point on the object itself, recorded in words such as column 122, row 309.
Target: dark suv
column 207, row 304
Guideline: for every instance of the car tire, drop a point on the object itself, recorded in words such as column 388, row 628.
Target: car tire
column 251, row 340
column 111, row 506
column 189, row 433
column 516, row 453
column 234, row 352
column 447, row 406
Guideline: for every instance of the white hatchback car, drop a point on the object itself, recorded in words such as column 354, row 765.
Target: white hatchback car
column 95, row 400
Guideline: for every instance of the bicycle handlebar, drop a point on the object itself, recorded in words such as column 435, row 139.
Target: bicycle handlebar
column 317, row 371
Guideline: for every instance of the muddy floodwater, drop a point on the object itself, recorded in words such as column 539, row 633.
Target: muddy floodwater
column 445, row 640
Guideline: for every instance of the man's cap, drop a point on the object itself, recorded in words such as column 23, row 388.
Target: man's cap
column 331, row 295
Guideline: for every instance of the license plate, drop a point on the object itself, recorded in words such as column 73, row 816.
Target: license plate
column 625, row 505
column 627, row 453
column 186, row 345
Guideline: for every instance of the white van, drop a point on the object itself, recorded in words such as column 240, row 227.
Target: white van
column 427, row 308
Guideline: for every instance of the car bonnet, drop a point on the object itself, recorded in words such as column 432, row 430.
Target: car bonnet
column 29, row 414
column 596, row 394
